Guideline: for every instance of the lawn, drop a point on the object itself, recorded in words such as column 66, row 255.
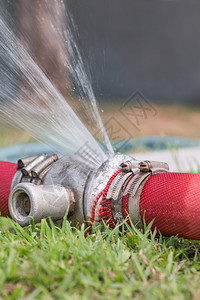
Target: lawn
column 46, row 262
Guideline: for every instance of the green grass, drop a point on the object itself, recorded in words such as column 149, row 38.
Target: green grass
column 46, row 262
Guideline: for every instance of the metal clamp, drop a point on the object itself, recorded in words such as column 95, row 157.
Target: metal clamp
column 135, row 167
column 131, row 181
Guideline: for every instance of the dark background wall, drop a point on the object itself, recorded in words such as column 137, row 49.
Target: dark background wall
column 148, row 45
column 151, row 46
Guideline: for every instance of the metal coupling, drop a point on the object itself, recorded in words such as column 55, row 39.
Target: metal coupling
column 46, row 187
column 28, row 201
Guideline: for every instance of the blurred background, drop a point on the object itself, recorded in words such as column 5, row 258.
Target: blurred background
column 130, row 48
column 150, row 46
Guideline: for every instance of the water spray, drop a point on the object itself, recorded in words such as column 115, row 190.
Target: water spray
column 121, row 188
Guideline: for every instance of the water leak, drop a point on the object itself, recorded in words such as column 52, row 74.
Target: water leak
column 29, row 100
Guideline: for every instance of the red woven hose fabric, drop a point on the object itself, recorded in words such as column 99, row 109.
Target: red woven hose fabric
column 7, row 172
column 173, row 199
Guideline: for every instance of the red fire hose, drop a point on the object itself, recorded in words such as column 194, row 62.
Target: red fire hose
column 7, row 172
column 172, row 199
